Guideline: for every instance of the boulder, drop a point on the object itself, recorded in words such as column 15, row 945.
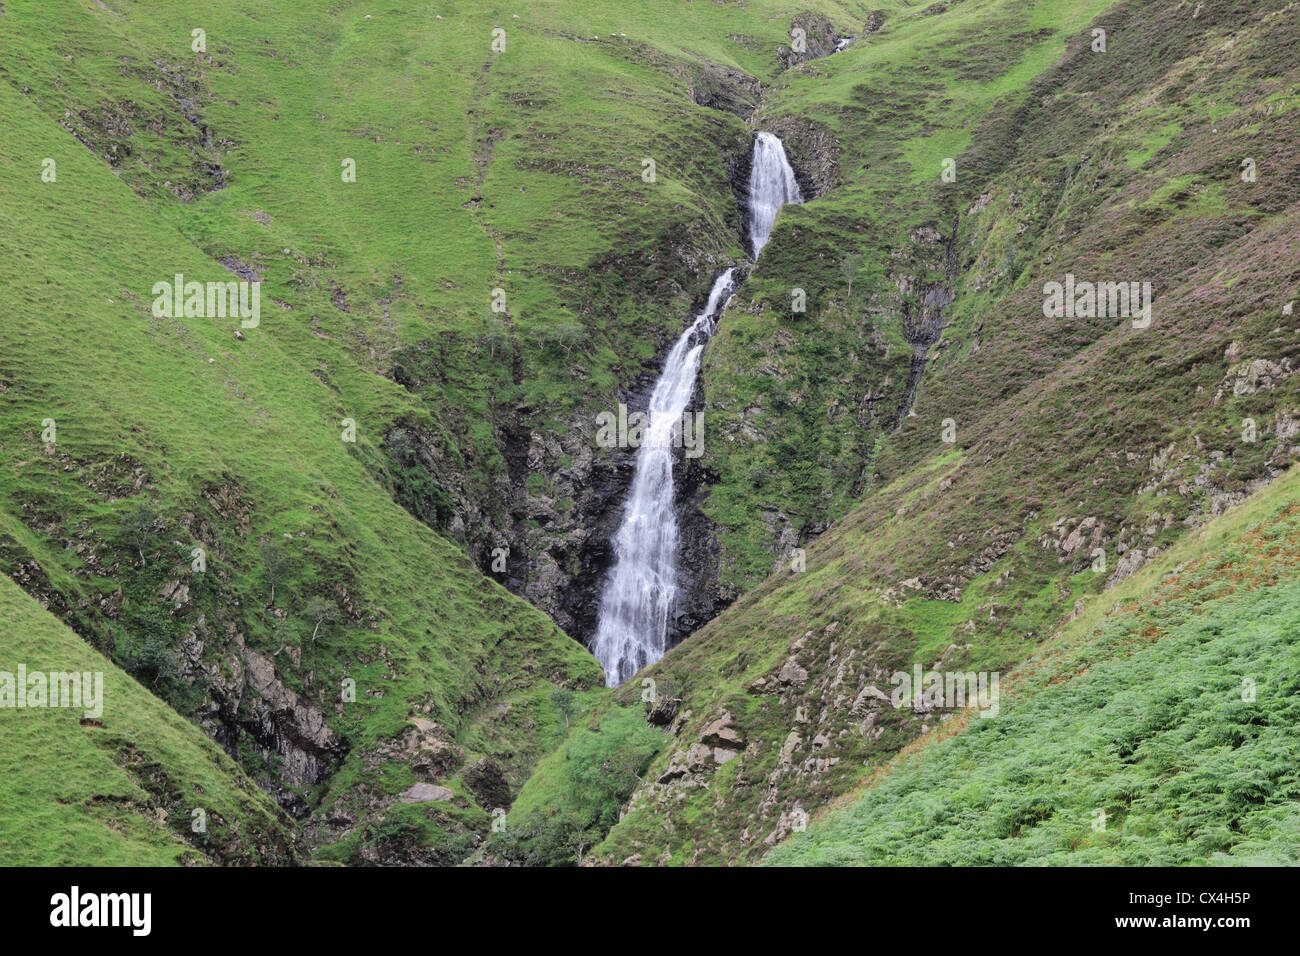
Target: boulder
column 792, row 673
column 871, row 696
column 723, row 733
column 789, row 747
column 663, row 711
column 699, row 758
column 425, row 793
column 488, row 783
column 676, row 768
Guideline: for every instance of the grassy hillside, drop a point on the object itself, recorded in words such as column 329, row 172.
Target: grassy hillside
column 806, row 402
column 1173, row 713
column 173, row 434
column 1065, row 159
column 120, row 789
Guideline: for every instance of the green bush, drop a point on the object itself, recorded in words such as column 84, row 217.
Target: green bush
column 575, row 797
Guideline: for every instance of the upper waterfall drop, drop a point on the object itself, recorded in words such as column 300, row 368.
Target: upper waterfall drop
column 771, row 186
column 632, row 626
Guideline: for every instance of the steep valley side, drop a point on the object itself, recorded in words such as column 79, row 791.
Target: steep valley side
column 1037, row 462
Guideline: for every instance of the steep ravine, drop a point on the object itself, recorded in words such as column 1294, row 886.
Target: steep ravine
column 542, row 525
column 549, row 541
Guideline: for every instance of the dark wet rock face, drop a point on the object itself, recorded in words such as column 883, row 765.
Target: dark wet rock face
column 288, row 726
column 812, row 150
column 738, row 164
column 544, row 533
column 247, row 705
column 923, row 304
column 811, row 36
column 722, row 88
column 564, row 554
column 698, row 597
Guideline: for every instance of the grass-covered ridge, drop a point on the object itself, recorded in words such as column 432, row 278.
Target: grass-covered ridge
column 1043, row 132
column 806, row 402
column 120, row 789
column 173, row 434
column 1160, row 732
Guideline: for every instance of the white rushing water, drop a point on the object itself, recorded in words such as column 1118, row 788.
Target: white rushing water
column 771, row 186
column 633, row 626
column 632, row 629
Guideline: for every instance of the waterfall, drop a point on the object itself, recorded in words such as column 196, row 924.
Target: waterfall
column 632, row 629
column 633, row 626
column 771, row 186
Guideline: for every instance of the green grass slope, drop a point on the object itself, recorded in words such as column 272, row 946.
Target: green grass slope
column 1066, row 159
column 1162, row 731
column 121, row 789
column 172, row 434
column 803, row 404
